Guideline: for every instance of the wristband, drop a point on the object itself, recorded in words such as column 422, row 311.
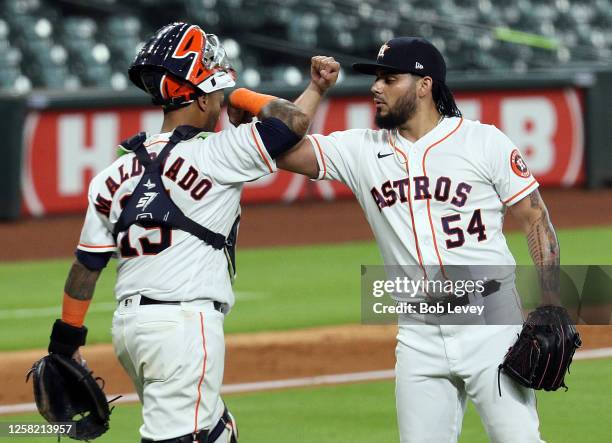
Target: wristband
column 66, row 339
column 73, row 310
column 250, row 101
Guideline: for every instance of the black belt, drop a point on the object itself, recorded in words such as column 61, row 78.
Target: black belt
column 490, row 287
column 203, row 436
column 149, row 301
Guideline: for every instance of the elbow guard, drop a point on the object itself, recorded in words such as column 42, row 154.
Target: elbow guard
column 277, row 137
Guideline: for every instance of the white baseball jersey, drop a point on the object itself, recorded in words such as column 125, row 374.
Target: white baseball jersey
column 204, row 177
column 438, row 201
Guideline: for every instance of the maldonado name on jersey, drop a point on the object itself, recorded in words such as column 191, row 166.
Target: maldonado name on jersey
column 186, row 176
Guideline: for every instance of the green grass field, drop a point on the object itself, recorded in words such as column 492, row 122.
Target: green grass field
column 308, row 286
column 365, row 413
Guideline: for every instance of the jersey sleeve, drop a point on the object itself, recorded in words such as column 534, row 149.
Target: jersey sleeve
column 235, row 155
column 338, row 156
column 509, row 172
column 96, row 234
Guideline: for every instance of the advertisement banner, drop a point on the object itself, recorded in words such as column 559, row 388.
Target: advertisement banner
column 63, row 150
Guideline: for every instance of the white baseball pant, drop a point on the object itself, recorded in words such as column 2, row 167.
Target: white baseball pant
column 174, row 355
column 440, row 366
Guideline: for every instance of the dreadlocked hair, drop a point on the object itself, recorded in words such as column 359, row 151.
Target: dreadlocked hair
column 444, row 100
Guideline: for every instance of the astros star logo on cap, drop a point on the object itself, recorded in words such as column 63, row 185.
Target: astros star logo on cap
column 382, row 50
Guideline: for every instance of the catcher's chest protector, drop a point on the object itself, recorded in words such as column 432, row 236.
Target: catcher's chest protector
column 150, row 205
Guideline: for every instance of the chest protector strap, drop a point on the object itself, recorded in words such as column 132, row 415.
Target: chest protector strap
column 150, row 204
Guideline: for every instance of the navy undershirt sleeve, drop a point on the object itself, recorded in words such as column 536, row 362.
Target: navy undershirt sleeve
column 277, row 137
column 94, row 261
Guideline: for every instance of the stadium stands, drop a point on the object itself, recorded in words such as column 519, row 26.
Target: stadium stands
column 68, row 44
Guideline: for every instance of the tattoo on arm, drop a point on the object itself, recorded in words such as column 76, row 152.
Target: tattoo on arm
column 288, row 113
column 81, row 282
column 544, row 250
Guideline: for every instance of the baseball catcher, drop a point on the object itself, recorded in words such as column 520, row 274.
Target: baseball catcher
column 168, row 210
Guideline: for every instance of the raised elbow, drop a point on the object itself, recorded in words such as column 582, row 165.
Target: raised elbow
column 289, row 113
column 300, row 123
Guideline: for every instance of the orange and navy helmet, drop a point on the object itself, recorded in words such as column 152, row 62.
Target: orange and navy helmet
column 179, row 63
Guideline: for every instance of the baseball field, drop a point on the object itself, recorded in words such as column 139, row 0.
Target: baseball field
column 299, row 366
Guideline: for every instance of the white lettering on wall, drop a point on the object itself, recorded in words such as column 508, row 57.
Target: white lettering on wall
column 75, row 158
column 531, row 124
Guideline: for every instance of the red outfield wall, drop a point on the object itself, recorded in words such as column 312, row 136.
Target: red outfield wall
column 63, row 150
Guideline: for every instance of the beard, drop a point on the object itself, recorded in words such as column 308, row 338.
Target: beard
column 403, row 110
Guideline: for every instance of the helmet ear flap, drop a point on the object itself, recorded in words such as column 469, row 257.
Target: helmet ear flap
column 166, row 90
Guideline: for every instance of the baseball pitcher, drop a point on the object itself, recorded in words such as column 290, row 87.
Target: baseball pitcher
column 169, row 210
column 434, row 188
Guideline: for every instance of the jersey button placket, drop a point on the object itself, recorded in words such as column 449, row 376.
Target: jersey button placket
column 421, row 221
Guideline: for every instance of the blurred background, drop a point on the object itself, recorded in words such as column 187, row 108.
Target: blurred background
column 540, row 70
column 69, row 44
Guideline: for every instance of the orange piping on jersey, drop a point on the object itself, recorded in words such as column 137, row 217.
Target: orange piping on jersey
column 416, row 240
column 154, row 143
column 395, row 148
column 520, row 192
column 195, row 426
column 321, row 154
column 433, row 231
column 97, row 247
column 261, row 153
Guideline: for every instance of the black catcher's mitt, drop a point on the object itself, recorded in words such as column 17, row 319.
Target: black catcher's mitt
column 67, row 391
column 544, row 350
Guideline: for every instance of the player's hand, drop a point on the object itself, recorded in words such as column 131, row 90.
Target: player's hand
column 238, row 116
column 323, row 72
column 79, row 358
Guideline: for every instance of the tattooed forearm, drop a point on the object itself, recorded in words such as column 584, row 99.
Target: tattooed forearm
column 544, row 249
column 81, row 282
column 287, row 112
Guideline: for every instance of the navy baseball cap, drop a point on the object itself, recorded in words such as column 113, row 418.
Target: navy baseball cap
column 413, row 55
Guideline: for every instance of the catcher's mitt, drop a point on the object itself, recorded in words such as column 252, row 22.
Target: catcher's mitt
column 544, row 350
column 67, row 391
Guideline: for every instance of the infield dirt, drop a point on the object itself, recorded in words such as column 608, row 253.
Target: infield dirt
column 259, row 356
column 273, row 355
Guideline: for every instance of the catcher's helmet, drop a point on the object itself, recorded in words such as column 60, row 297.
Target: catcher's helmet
column 179, row 63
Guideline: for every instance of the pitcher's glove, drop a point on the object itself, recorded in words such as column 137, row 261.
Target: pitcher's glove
column 67, row 391
column 544, row 350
